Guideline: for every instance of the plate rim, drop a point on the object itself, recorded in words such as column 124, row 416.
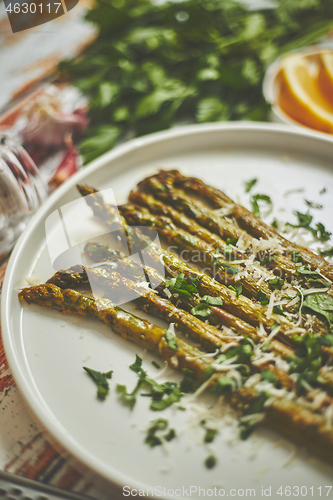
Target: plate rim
column 36, row 410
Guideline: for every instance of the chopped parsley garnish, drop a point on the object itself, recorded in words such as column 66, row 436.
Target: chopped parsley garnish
column 183, row 286
column 229, row 252
column 249, row 184
column 320, row 283
column 210, row 435
column 101, row 379
column 278, row 310
column 136, row 366
column 307, row 361
column 304, row 221
column 97, row 248
column 257, row 404
column 189, row 383
column 242, row 353
column 262, row 298
column 251, row 414
column 322, row 304
column 276, row 283
column 255, row 205
column 159, row 426
column 306, row 273
column 154, row 363
column 295, row 257
column 203, row 308
column 224, row 385
column 162, row 395
column 327, row 253
column 212, row 301
column 232, row 241
column 323, row 191
column 275, row 224
column 269, row 376
column 210, row 462
column 170, row 435
column 267, row 259
column 237, row 288
column 171, row 341
column 321, row 233
column 312, row 204
column 229, row 269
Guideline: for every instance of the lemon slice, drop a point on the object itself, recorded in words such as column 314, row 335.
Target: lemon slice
column 325, row 78
column 300, row 96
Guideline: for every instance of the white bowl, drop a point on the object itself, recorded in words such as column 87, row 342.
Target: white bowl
column 270, row 88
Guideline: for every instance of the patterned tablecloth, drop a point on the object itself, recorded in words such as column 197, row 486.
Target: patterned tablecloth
column 27, row 451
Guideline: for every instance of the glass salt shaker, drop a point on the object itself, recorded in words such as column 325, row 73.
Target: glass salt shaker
column 22, row 191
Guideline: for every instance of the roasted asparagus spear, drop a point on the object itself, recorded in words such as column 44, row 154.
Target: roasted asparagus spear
column 245, row 218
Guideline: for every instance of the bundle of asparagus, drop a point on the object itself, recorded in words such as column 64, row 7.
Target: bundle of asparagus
column 242, row 295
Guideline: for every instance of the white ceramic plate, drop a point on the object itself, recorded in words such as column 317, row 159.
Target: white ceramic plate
column 47, row 350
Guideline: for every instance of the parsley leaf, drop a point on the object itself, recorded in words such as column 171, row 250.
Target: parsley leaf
column 237, row 288
column 158, row 426
column 171, row 341
column 212, row 301
column 312, row 204
column 210, row 462
column 327, row 253
column 306, row 272
column 255, row 205
column 228, row 268
column 269, row 376
column 136, row 366
column 276, row 283
column 249, row 184
column 224, row 385
column 180, row 285
column 162, row 395
column 146, row 70
column 322, row 304
column 203, row 310
column 210, row 435
column 304, row 221
column 262, row 297
column 101, row 379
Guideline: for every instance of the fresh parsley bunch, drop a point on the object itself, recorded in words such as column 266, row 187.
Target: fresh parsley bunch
column 155, row 64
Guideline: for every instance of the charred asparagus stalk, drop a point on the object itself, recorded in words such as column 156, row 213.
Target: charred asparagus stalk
column 207, row 335
column 288, row 417
column 195, row 248
column 155, row 206
column 250, row 222
column 209, row 219
column 123, row 323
